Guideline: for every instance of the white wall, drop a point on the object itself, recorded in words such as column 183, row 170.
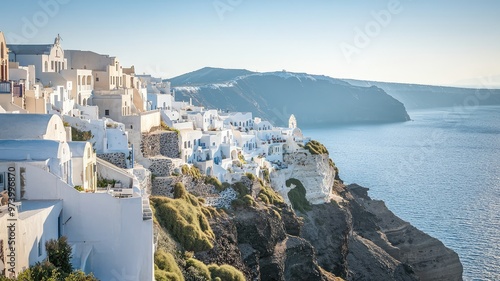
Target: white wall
column 33, row 228
column 121, row 241
column 117, row 141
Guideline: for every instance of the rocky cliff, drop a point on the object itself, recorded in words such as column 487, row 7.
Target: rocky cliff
column 333, row 231
column 313, row 99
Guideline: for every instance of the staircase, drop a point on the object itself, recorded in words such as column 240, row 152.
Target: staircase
column 147, row 213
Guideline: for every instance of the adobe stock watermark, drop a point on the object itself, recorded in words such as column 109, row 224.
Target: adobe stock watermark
column 364, row 36
column 31, row 25
column 223, row 6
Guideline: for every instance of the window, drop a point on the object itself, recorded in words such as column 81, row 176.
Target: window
column 52, row 65
column 2, row 185
column 97, row 79
column 106, row 112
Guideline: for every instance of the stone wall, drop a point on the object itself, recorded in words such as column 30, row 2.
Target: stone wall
column 118, row 159
column 164, row 143
column 161, row 166
column 162, row 186
column 169, row 145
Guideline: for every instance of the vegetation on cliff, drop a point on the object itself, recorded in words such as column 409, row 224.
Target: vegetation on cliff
column 166, row 269
column 185, row 219
column 316, row 148
column 191, row 171
column 297, row 195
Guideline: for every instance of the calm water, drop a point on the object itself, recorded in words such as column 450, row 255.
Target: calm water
column 440, row 172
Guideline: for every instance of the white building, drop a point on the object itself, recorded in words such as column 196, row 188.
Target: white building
column 83, row 159
column 111, row 237
column 29, row 226
column 54, row 156
column 83, row 84
column 32, row 127
column 117, row 91
column 45, row 57
column 239, row 120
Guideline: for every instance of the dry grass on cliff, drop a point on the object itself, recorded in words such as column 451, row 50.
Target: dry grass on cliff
column 185, row 219
column 166, row 269
column 316, row 148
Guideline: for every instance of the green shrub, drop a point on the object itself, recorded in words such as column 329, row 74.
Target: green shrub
column 269, row 196
column 241, row 158
column 215, row 182
column 201, row 269
column 56, row 267
column 179, row 190
column 250, row 176
column 79, row 188
column 266, row 175
column 59, row 254
column 80, row 276
column 297, row 195
column 191, row 171
column 167, row 267
column 40, row 271
column 102, row 182
column 225, row 272
column 316, row 147
column 77, row 135
column 185, row 219
column 241, row 189
column 225, row 185
column 162, row 275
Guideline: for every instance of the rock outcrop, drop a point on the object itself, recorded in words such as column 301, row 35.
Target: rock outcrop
column 338, row 233
column 428, row 257
column 313, row 171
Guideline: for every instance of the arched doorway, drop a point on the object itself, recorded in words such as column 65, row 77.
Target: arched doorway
column 234, row 155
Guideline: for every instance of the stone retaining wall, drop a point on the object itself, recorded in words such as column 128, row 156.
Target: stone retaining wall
column 161, row 166
column 164, row 143
column 118, row 159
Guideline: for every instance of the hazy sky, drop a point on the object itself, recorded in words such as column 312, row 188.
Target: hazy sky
column 427, row 42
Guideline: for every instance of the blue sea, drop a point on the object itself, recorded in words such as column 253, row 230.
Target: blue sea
column 440, row 172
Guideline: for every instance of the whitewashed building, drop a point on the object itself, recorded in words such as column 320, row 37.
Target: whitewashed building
column 111, row 236
column 45, row 57
column 83, row 160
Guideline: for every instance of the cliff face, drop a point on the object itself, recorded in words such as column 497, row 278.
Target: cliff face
column 429, row 258
column 313, row 171
column 335, row 232
column 425, row 96
column 313, row 99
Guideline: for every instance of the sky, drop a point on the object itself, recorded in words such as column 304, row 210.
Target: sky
column 411, row 41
